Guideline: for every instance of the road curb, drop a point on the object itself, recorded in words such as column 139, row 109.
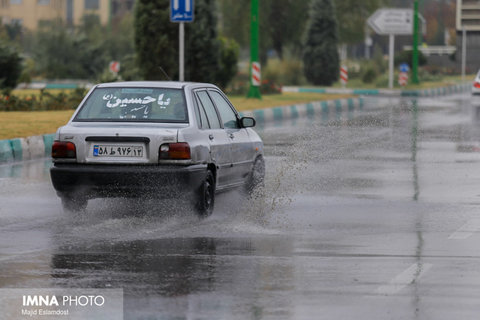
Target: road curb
column 438, row 91
column 326, row 109
column 20, row 149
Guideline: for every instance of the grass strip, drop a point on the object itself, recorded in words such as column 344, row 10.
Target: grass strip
column 16, row 124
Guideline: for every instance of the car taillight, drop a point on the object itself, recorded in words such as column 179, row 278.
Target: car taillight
column 62, row 149
column 476, row 84
column 174, row 151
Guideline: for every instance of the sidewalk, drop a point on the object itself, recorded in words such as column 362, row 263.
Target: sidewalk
column 439, row 91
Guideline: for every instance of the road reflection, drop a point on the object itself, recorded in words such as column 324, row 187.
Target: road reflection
column 33, row 170
column 170, row 267
column 183, row 268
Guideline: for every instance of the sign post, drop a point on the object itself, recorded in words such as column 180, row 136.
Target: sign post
column 464, row 51
column 391, row 54
column 181, row 11
column 415, row 43
column 254, row 90
column 403, row 75
column 392, row 22
column 114, row 67
column 344, row 76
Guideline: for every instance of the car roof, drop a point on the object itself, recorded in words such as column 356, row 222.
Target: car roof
column 155, row 84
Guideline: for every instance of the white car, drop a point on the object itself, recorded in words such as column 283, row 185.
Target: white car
column 476, row 84
column 156, row 139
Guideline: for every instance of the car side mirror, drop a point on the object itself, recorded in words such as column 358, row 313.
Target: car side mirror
column 247, row 122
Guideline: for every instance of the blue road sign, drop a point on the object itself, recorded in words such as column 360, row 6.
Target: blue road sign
column 181, row 10
column 404, row 67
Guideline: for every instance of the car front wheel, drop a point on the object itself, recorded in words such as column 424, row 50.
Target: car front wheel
column 206, row 196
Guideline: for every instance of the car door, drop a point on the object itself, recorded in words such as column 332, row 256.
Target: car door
column 242, row 148
column 220, row 148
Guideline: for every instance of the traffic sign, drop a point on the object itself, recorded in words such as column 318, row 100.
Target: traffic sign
column 403, row 78
column 392, row 21
column 114, row 67
column 404, row 67
column 181, row 10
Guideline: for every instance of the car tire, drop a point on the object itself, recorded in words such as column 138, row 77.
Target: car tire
column 256, row 178
column 206, row 196
column 71, row 204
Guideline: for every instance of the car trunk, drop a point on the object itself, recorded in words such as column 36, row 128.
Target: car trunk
column 128, row 143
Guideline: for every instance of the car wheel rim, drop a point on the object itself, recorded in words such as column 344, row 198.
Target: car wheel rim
column 208, row 195
column 258, row 173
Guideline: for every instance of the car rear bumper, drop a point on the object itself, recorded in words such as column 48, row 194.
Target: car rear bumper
column 93, row 181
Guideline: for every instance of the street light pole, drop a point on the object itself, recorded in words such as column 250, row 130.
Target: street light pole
column 415, row 44
column 464, row 51
column 254, row 90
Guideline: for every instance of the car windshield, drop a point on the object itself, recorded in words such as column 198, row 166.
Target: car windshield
column 134, row 104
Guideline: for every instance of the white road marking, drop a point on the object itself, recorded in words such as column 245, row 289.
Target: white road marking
column 404, row 279
column 467, row 230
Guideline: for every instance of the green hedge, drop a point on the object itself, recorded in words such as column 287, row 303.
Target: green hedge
column 42, row 101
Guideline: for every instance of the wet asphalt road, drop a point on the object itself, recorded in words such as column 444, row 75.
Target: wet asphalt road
column 372, row 215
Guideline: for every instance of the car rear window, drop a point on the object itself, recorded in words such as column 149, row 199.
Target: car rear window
column 134, row 104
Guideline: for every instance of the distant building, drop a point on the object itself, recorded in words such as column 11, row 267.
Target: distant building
column 468, row 18
column 30, row 13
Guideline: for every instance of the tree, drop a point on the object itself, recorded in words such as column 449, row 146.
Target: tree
column 235, row 20
column 10, row 66
column 156, row 40
column 207, row 59
column 202, row 44
column 286, row 23
column 83, row 52
column 61, row 53
column 228, row 62
column 282, row 24
column 352, row 16
column 440, row 18
column 320, row 58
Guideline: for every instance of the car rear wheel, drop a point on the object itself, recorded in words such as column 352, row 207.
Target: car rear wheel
column 256, row 178
column 72, row 204
column 206, row 196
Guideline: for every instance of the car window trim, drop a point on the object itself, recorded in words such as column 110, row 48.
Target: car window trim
column 214, row 107
column 198, row 115
column 229, row 104
column 226, row 99
column 84, row 102
column 132, row 120
column 200, row 105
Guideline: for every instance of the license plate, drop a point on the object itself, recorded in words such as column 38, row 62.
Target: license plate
column 117, row 151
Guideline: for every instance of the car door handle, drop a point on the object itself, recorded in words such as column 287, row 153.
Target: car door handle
column 232, row 136
column 210, row 136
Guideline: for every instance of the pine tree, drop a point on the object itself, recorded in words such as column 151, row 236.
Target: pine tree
column 201, row 44
column 320, row 56
column 10, row 66
column 156, row 44
column 156, row 40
